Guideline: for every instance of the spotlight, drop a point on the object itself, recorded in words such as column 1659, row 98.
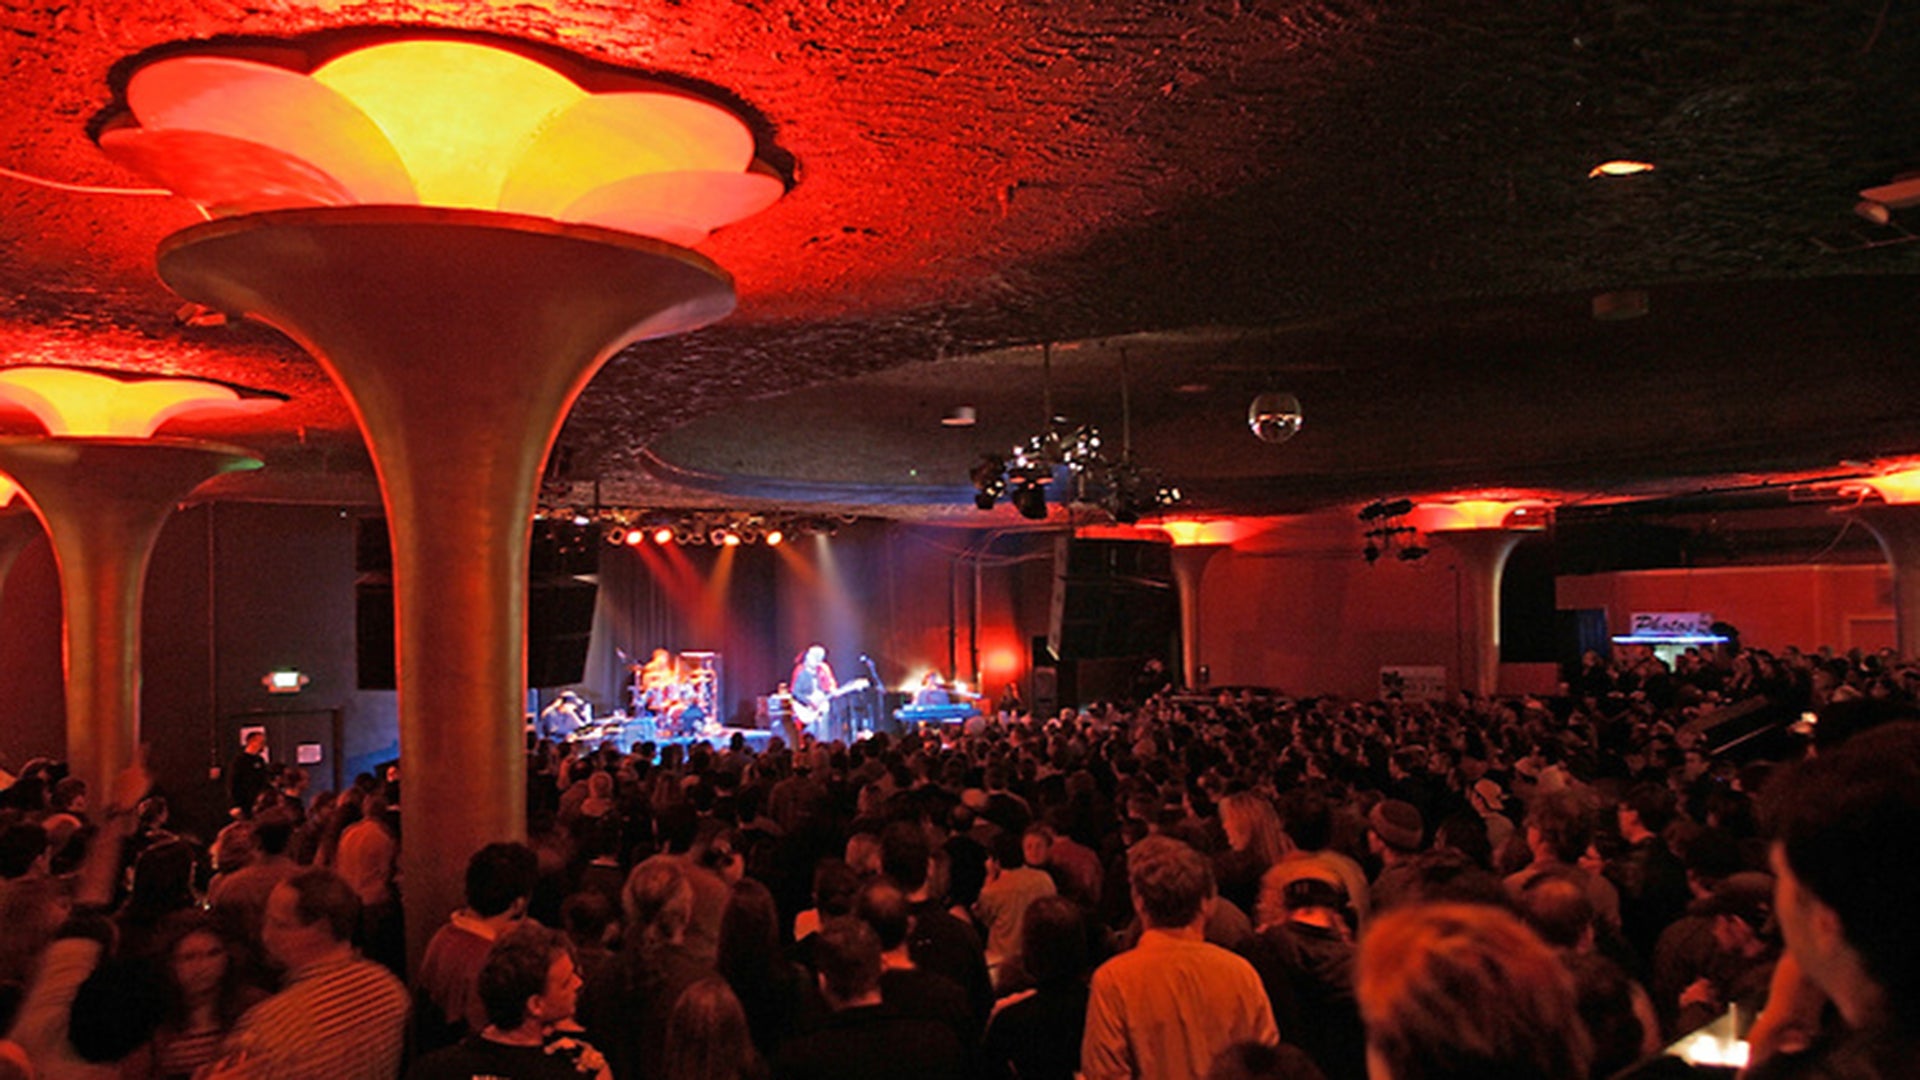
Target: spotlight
column 730, row 539
column 989, row 480
column 616, row 536
column 663, row 535
column 635, row 537
column 1030, row 500
column 774, row 536
column 1619, row 167
column 1873, row 210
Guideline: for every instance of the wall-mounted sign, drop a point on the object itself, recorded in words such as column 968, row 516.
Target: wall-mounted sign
column 1672, row 623
column 1414, row 682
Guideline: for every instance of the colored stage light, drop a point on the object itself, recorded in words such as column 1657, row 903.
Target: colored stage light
column 774, row 536
column 663, row 535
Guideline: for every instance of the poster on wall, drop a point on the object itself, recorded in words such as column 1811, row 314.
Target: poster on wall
column 1414, row 682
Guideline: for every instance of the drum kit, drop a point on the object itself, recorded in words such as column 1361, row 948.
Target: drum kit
column 678, row 698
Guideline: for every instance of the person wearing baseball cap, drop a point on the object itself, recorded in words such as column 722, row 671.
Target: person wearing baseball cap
column 1395, row 834
column 1746, row 948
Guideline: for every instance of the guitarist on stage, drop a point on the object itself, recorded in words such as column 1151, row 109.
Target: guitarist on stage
column 812, row 686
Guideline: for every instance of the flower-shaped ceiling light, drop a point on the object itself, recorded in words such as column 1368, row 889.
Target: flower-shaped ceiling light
column 1483, row 513
column 441, row 123
column 93, row 404
column 1898, row 486
column 1189, row 532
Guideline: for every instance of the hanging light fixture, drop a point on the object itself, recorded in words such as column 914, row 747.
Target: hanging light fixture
column 1093, row 474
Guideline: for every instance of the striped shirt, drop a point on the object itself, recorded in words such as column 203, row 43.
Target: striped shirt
column 340, row 1019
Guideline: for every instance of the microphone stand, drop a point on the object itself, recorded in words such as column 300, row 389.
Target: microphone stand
column 876, row 700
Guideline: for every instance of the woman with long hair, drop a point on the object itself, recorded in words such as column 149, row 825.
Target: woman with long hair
column 1255, row 841
column 707, row 1037
column 201, row 997
column 771, row 989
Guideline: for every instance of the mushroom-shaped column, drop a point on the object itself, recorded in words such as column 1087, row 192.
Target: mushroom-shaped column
column 1195, row 543
column 1481, row 533
column 1897, row 528
column 102, row 499
column 1895, row 523
column 17, row 529
column 545, row 234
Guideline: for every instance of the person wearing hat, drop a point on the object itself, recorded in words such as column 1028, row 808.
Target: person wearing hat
column 566, row 715
column 1746, row 948
column 1395, row 835
column 1304, row 954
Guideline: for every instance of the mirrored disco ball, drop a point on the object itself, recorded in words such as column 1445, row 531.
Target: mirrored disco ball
column 1274, row 418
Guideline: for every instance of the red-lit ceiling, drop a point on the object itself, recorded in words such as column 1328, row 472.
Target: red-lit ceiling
column 1383, row 207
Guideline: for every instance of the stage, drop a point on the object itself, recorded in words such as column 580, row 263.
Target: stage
column 639, row 731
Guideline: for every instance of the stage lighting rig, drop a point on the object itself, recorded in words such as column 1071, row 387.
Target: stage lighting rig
column 1075, row 454
column 1389, row 534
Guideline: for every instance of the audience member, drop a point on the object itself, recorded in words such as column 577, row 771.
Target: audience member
column 863, row 1038
column 446, row 990
column 527, row 988
column 1035, row 1034
column 1466, row 992
column 1170, row 1005
column 339, row 1017
column 707, row 1037
column 1846, row 858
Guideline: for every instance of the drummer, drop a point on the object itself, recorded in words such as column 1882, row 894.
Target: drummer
column 658, row 672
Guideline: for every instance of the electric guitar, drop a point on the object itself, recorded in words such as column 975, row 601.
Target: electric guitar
column 810, row 714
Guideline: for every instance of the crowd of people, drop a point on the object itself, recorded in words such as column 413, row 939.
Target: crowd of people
column 1238, row 885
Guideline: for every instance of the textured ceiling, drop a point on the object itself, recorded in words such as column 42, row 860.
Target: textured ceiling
column 1383, row 207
